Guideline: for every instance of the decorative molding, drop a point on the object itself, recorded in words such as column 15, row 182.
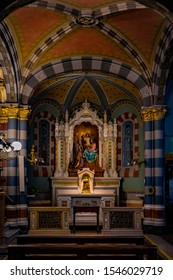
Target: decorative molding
column 3, row 115
column 153, row 113
column 86, row 21
column 52, row 219
column 122, row 219
column 23, row 113
column 3, row 112
column 13, row 112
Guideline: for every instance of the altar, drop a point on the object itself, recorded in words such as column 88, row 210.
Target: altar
column 67, row 192
column 88, row 171
column 86, row 209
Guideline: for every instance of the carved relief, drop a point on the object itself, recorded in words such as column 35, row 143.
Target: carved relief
column 50, row 219
column 121, row 219
column 153, row 113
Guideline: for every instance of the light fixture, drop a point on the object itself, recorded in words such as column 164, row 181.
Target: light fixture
column 8, row 150
column 136, row 161
column 33, row 159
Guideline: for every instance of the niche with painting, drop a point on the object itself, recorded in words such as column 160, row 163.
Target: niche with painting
column 86, row 148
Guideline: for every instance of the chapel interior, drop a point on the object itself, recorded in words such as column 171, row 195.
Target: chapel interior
column 86, row 126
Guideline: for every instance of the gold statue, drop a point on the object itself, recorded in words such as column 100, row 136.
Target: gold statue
column 32, row 160
column 86, row 184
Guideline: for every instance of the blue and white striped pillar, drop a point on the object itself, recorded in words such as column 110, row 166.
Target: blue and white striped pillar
column 3, row 129
column 23, row 114
column 154, row 207
column 17, row 213
column 12, row 191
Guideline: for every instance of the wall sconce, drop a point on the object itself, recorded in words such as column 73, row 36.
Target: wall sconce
column 8, row 150
column 136, row 161
column 32, row 157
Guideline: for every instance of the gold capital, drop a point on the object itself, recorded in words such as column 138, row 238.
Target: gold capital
column 23, row 113
column 3, row 115
column 14, row 112
column 153, row 113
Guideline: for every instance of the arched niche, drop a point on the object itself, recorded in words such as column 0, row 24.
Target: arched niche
column 86, row 120
column 85, row 125
column 86, row 180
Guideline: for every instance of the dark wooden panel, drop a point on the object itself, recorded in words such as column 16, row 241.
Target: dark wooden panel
column 85, row 251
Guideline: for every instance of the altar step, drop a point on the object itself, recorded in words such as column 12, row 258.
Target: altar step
column 85, row 251
column 10, row 234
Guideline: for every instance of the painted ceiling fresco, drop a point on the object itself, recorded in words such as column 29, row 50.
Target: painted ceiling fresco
column 35, row 22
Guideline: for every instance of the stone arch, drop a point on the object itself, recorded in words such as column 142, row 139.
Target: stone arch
column 86, row 64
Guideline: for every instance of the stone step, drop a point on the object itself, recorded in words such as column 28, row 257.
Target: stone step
column 8, row 237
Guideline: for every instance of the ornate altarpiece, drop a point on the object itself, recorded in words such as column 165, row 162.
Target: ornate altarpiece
column 91, row 179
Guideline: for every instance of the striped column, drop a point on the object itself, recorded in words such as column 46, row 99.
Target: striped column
column 3, row 171
column 23, row 115
column 16, row 206
column 12, row 178
column 3, row 129
column 154, row 208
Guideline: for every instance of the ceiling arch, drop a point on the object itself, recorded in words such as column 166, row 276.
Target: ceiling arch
column 64, row 51
column 87, row 64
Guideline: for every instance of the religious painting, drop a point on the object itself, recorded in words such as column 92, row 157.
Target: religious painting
column 85, row 149
column 85, row 144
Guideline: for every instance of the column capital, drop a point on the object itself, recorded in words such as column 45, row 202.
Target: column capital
column 23, row 113
column 13, row 112
column 3, row 115
column 153, row 113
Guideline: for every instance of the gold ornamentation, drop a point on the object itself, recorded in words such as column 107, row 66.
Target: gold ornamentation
column 3, row 115
column 86, row 184
column 13, row 112
column 8, row 68
column 3, row 120
column 3, row 112
column 23, row 113
column 3, row 94
column 87, row 21
column 153, row 113
column 32, row 157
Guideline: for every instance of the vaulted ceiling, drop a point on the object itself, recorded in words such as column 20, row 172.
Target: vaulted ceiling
column 113, row 47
